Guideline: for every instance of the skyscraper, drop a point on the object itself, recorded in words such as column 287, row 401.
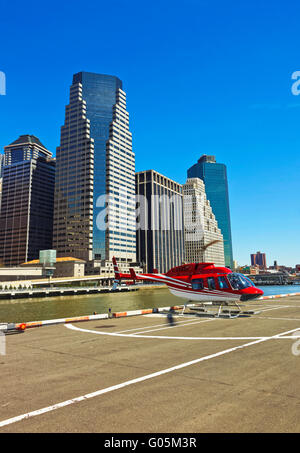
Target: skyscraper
column 259, row 259
column 160, row 241
column 94, row 215
column 200, row 226
column 214, row 176
column 2, row 160
column 26, row 218
column 26, row 147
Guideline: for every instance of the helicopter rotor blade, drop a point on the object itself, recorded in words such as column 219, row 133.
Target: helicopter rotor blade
column 210, row 243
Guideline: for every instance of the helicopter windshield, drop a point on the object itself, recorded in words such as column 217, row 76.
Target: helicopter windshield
column 238, row 281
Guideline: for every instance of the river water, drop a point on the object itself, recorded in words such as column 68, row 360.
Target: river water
column 37, row 309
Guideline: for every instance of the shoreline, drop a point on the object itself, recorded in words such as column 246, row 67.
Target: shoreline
column 109, row 315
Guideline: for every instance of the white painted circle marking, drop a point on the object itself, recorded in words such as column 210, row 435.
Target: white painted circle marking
column 164, row 337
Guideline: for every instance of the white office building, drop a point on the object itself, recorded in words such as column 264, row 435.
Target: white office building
column 200, row 226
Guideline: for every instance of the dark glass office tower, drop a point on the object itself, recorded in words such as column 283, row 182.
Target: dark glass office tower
column 214, row 176
column 94, row 160
column 26, row 147
column 160, row 234
column 26, row 218
column 2, row 162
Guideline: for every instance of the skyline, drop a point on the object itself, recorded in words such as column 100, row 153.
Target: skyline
column 189, row 93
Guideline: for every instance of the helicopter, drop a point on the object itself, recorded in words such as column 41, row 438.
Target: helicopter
column 204, row 283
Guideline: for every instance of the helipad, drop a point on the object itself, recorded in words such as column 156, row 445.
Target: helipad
column 139, row 374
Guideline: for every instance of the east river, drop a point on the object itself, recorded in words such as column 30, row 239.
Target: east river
column 37, row 309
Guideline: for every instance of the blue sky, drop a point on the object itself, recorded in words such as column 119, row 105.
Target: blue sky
column 201, row 77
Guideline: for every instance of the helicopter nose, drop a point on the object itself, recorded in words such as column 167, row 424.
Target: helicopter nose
column 251, row 293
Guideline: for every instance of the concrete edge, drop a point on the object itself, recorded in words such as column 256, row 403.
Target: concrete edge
column 49, row 322
column 277, row 296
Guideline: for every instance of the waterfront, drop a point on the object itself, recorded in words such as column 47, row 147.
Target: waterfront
column 279, row 289
column 36, row 309
column 19, row 310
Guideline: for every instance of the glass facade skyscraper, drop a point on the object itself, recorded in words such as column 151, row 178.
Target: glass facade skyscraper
column 94, row 161
column 26, row 218
column 160, row 238
column 26, row 147
column 214, row 176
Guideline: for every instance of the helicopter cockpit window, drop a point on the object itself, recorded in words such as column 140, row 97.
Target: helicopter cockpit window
column 234, row 281
column 248, row 280
column 238, row 281
column 197, row 283
column 223, row 283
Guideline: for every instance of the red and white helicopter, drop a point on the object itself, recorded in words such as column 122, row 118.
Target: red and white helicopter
column 204, row 283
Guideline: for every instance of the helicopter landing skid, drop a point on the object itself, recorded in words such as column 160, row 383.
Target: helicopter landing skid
column 230, row 313
column 203, row 310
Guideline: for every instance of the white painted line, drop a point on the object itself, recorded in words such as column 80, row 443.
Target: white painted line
column 160, row 337
column 44, row 410
column 159, row 325
column 274, row 308
column 175, row 325
column 163, row 326
column 278, row 319
column 289, row 337
column 182, row 323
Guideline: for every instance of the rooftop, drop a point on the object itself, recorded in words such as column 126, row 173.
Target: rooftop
column 205, row 158
column 58, row 260
column 25, row 139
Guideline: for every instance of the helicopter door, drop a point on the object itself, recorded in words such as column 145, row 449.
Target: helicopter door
column 211, row 284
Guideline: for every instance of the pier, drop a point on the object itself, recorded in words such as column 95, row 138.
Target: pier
column 61, row 291
column 274, row 279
